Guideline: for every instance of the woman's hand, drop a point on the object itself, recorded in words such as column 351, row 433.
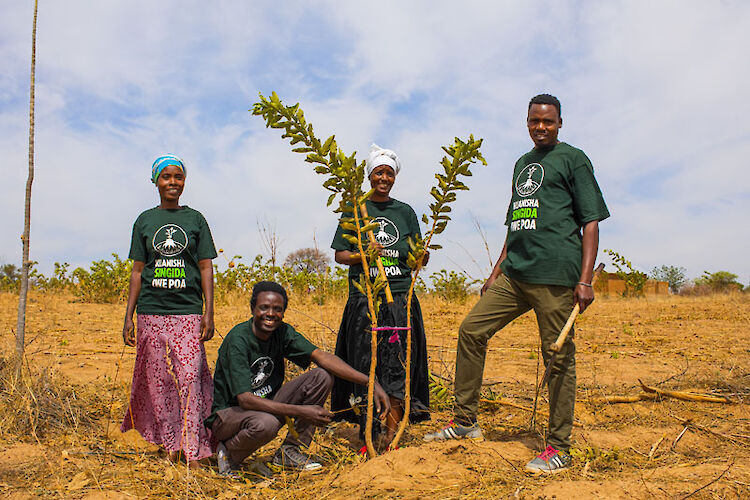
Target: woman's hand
column 207, row 327
column 207, row 286
column 128, row 332
column 426, row 257
column 128, row 328
column 347, row 258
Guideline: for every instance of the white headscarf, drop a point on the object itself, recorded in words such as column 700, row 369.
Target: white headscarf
column 379, row 156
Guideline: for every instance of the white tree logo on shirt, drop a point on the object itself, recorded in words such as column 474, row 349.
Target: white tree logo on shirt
column 170, row 240
column 529, row 179
column 261, row 370
column 388, row 234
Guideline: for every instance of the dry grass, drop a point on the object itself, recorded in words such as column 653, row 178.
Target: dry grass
column 59, row 428
column 43, row 404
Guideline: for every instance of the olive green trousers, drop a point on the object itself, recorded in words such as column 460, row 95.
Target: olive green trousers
column 505, row 300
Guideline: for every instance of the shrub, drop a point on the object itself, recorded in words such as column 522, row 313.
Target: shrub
column 60, row 280
column 452, row 286
column 634, row 280
column 105, row 282
column 720, row 281
column 240, row 277
column 10, row 278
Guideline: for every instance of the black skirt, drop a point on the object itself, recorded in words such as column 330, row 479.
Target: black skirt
column 353, row 346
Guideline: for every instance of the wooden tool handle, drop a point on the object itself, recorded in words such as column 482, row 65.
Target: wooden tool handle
column 557, row 345
column 381, row 269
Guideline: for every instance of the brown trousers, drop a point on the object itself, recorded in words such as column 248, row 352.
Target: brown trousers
column 504, row 301
column 244, row 431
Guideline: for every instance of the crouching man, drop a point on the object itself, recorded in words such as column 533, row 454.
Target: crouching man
column 251, row 404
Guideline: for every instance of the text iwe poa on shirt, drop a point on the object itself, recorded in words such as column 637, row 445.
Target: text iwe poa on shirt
column 169, row 273
column 524, row 214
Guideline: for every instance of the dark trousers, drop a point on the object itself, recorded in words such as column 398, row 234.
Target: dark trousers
column 244, row 431
column 504, row 301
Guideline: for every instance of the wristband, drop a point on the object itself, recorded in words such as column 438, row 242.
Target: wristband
column 585, row 284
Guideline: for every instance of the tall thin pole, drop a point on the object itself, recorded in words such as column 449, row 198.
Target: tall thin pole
column 26, row 263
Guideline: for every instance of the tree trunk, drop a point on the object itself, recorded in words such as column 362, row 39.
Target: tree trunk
column 26, row 263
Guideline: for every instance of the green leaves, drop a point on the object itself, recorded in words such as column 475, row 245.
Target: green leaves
column 351, row 239
column 457, row 162
column 370, row 227
column 459, row 157
column 345, row 176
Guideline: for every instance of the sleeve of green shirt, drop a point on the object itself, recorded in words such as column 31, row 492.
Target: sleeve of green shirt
column 206, row 248
column 339, row 243
column 297, row 348
column 137, row 244
column 414, row 223
column 510, row 201
column 588, row 202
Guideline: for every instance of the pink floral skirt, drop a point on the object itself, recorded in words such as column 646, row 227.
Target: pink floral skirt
column 172, row 389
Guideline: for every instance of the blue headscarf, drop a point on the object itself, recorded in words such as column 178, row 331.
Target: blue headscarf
column 164, row 161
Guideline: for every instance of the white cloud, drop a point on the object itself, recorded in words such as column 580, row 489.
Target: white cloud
column 650, row 92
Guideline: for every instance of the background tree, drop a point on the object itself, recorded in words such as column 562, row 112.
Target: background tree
column 26, row 263
column 673, row 275
column 634, row 280
column 10, row 277
column 310, row 260
column 720, row 281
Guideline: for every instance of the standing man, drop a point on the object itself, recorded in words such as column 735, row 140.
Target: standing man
column 251, row 404
column 546, row 265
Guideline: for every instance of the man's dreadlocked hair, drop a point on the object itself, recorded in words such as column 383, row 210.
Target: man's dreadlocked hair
column 267, row 286
column 546, row 99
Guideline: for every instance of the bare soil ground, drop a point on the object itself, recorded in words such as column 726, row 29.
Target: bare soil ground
column 631, row 450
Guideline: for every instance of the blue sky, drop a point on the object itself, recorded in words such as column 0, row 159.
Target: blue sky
column 653, row 92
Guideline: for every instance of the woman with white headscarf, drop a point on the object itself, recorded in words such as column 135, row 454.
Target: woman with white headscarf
column 397, row 223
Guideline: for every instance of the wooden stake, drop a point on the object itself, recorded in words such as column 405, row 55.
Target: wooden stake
column 25, row 262
column 685, row 396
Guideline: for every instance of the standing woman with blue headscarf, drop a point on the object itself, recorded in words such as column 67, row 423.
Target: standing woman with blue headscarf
column 171, row 283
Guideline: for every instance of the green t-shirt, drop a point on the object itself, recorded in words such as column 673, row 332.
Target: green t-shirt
column 247, row 364
column 170, row 243
column 554, row 195
column 397, row 223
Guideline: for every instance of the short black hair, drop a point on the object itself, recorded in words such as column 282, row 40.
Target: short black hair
column 546, row 99
column 267, row 286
